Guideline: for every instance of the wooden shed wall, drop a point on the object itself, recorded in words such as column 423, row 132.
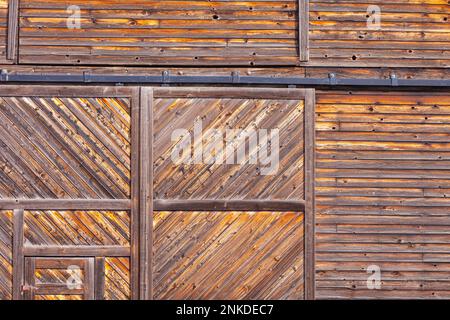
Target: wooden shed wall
column 382, row 191
column 142, row 32
column 414, row 33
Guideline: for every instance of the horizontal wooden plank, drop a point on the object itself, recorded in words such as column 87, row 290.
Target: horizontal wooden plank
column 76, row 251
column 65, row 204
column 229, row 205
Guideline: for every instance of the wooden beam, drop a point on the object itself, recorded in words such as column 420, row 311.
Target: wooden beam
column 310, row 195
column 229, row 205
column 29, row 279
column 13, row 31
column 303, row 30
column 99, row 278
column 76, row 251
column 229, row 92
column 18, row 255
column 135, row 211
column 68, row 91
column 65, row 204
column 146, row 193
column 89, row 279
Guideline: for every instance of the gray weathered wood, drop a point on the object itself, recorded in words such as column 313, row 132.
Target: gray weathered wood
column 18, row 256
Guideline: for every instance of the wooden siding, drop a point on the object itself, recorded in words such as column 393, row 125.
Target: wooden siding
column 382, row 193
column 6, row 255
column 412, row 34
column 257, row 33
column 64, row 147
column 145, row 32
column 236, row 255
column 225, row 181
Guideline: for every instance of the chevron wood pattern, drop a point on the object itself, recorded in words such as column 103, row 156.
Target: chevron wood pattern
column 77, row 228
column 228, row 181
column 5, row 255
column 64, row 147
column 234, row 255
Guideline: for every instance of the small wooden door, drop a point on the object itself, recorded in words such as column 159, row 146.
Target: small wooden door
column 59, row 278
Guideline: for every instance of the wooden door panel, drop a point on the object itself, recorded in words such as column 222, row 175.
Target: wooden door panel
column 77, row 228
column 59, row 279
column 65, row 147
column 235, row 119
column 229, row 255
column 66, row 160
column 222, row 229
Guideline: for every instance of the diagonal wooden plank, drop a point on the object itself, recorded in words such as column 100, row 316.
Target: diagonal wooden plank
column 236, row 255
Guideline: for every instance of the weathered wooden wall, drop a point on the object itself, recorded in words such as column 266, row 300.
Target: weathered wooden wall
column 160, row 32
column 412, row 34
column 382, row 193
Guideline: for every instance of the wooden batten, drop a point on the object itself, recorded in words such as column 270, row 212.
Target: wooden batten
column 13, row 31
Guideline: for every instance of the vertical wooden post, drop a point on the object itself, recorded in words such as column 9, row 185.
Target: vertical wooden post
column 99, row 278
column 30, row 266
column 13, row 30
column 89, row 279
column 303, row 29
column 135, row 211
column 18, row 257
column 146, row 193
column 310, row 194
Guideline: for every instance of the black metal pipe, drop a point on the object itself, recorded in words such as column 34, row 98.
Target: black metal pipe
column 233, row 79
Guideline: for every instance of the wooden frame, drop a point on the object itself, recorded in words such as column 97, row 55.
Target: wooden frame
column 33, row 263
column 141, row 203
column 20, row 251
column 307, row 205
column 310, row 207
column 13, row 31
column 303, row 30
column 18, row 254
column 146, row 194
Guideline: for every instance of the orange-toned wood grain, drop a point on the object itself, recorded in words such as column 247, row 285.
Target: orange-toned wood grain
column 382, row 188
column 235, row 255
